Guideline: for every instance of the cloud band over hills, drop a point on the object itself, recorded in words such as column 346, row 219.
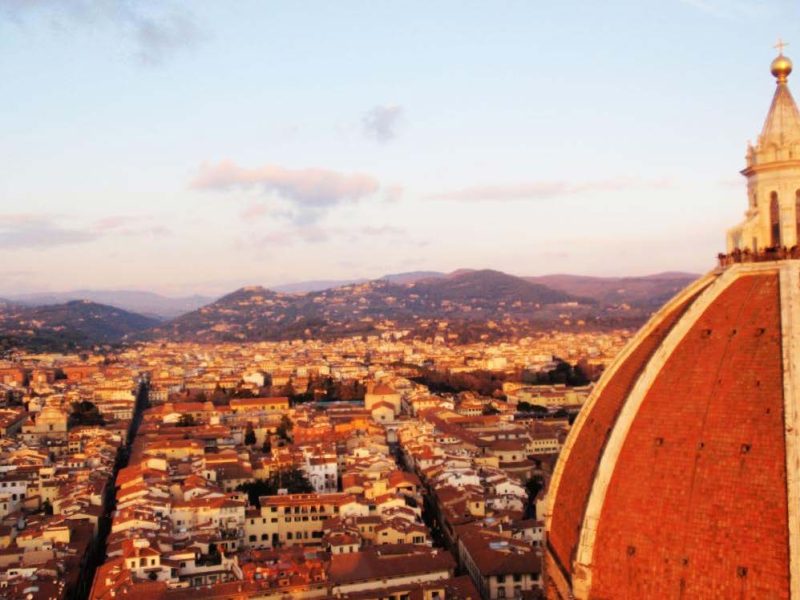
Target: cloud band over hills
column 309, row 191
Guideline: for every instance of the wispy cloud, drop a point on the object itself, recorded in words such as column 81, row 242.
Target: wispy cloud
column 380, row 123
column 19, row 231
column 156, row 29
column 310, row 192
column 542, row 190
column 130, row 225
column 24, row 230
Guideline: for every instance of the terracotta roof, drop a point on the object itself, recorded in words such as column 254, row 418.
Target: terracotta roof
column 256, row 402
column 382, row 389
column 495, row 554
column 387, row 562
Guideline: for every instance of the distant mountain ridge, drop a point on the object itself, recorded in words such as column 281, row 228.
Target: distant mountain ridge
column 67, row 326
column 646, row 291
column 493, row 286
column 327, row 284
column 636, row 288
column 145, row 303
column 470, row 304
column 477, row 300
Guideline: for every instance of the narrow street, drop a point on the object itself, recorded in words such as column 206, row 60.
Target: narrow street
column 98, row 552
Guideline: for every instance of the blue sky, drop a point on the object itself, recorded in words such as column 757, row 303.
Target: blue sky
column 198, row 146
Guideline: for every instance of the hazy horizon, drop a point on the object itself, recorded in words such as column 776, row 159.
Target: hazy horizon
column 11, row 295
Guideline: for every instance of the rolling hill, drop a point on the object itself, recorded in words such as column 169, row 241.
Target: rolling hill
column 303, row 287
column 648, row 291
column 490, row 286
column 144, row 303
column 468, row 305
column 473, row 297
column 67, row 326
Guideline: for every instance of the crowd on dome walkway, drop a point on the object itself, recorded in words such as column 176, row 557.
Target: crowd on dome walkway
column 762, row 255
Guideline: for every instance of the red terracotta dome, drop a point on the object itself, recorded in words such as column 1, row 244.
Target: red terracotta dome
column 673, row 482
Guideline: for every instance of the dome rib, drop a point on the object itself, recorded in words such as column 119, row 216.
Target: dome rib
column 790, row 333
column 610, row 457
column 580, row 455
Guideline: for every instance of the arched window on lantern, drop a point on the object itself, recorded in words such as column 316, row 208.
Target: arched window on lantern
column 797, row 216
column 774, row 219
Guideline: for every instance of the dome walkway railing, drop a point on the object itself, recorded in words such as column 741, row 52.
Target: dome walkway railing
column 762, row 255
